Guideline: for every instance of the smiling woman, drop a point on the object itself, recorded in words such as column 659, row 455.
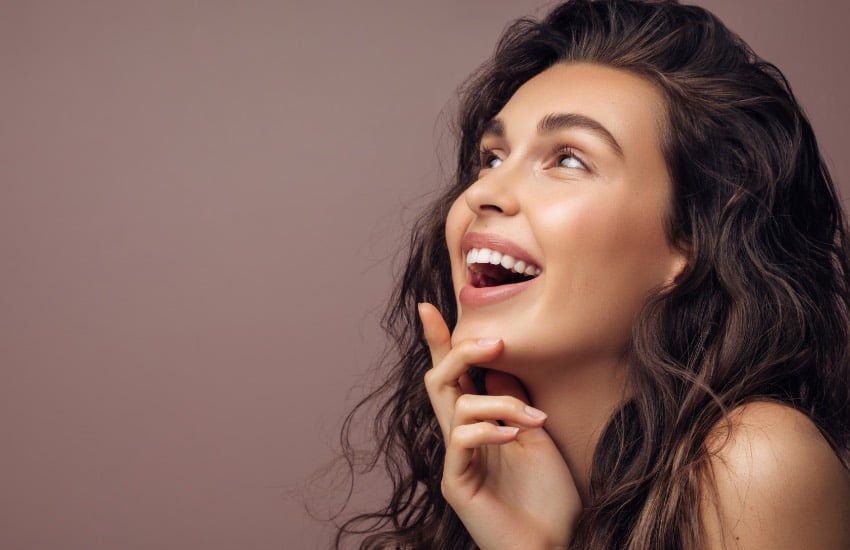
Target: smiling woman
column 632, row 305
column 594, row 220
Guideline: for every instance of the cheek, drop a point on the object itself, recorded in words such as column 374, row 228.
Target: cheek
column 457, row 220
column 458, row 217
column 602, row 252
column 457, row 223
column 606, row 246
column 582, row 228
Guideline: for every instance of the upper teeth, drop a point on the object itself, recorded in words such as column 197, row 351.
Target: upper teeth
column 487, row 256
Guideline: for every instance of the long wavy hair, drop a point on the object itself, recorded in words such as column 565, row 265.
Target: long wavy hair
column 760, row 313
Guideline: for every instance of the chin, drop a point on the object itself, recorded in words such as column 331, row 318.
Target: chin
column 468, row 328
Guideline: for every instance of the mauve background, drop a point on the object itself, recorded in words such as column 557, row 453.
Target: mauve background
column 199, row 206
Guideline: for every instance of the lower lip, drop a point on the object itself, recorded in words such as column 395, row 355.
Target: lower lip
column 471, row 296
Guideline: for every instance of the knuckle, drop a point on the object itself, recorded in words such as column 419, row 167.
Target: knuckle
column 471, row 347
column 455, row 435
column 429, row 377
column 460, row 435
column 481, row 429
column 464, row 401
column 515, row 404
column 510, row 404
column 445, row 488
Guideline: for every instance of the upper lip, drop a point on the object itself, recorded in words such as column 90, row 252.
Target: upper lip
column 492, row 241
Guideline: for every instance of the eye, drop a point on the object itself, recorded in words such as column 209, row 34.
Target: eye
column 565, row 152
column 486, row 156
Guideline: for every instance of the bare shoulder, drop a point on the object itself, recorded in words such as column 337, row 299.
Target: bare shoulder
column 777, row 483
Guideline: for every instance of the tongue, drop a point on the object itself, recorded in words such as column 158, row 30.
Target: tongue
column 480, row 280
column 492, row 275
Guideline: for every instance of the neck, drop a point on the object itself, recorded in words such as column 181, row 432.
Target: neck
column 579, row 402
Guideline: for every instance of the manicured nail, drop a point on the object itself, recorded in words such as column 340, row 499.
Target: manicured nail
column 534, row 413
column 512, row 430
column 486, row 342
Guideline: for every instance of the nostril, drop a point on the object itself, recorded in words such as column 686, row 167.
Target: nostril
column 492, row 207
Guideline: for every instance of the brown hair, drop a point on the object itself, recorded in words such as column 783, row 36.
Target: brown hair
column 761, row 312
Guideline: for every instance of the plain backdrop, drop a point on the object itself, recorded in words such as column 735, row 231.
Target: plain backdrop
column 200, row 203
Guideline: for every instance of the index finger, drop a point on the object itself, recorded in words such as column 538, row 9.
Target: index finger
column 436, row 332
column 438, row 338
column 448, row 377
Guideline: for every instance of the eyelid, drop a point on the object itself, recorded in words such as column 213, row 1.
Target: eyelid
column 485, row 154
column 562, row 149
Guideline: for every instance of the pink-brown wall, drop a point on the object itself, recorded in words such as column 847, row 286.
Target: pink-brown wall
column 199, row 203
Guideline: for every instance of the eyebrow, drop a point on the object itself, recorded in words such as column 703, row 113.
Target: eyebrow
column 559, row 121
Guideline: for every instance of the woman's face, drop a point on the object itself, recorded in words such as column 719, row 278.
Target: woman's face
column 590, row 219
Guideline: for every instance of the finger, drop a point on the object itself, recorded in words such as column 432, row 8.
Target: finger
column 470, row 408
column 459, row 359
column 438, row 339
column 465, row 439
column 442, row 381
column 499, row 382
column 502, row 383
column 436, row 332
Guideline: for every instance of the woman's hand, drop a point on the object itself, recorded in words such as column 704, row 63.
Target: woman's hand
column 508, row 485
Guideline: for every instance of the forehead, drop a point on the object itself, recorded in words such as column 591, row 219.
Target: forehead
column 629, row 106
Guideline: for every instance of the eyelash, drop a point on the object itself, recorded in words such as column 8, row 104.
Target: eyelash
column 485, row 154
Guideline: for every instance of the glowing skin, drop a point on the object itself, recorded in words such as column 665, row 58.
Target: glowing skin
column 597, row 231
column 595, row 223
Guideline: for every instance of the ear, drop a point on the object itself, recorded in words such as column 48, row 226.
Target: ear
column 678, row 265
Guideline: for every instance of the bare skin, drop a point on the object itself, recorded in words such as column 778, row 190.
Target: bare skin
column 509, row 485
column 593, row 219
column 780, row 486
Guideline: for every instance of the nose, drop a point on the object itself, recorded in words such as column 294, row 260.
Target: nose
column 494, row 191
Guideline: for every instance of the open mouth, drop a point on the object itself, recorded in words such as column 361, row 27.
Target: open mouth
column 483, row 275
column 494, row 276
column 487, row 275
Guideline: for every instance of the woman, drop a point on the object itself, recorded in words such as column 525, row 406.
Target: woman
column 641, row 217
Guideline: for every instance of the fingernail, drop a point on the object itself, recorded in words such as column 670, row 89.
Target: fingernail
column 419, row 308
column 534, row 413
column 491, row 341
column 508, row 429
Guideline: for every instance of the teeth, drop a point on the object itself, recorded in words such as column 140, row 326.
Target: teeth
column 487, row 256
